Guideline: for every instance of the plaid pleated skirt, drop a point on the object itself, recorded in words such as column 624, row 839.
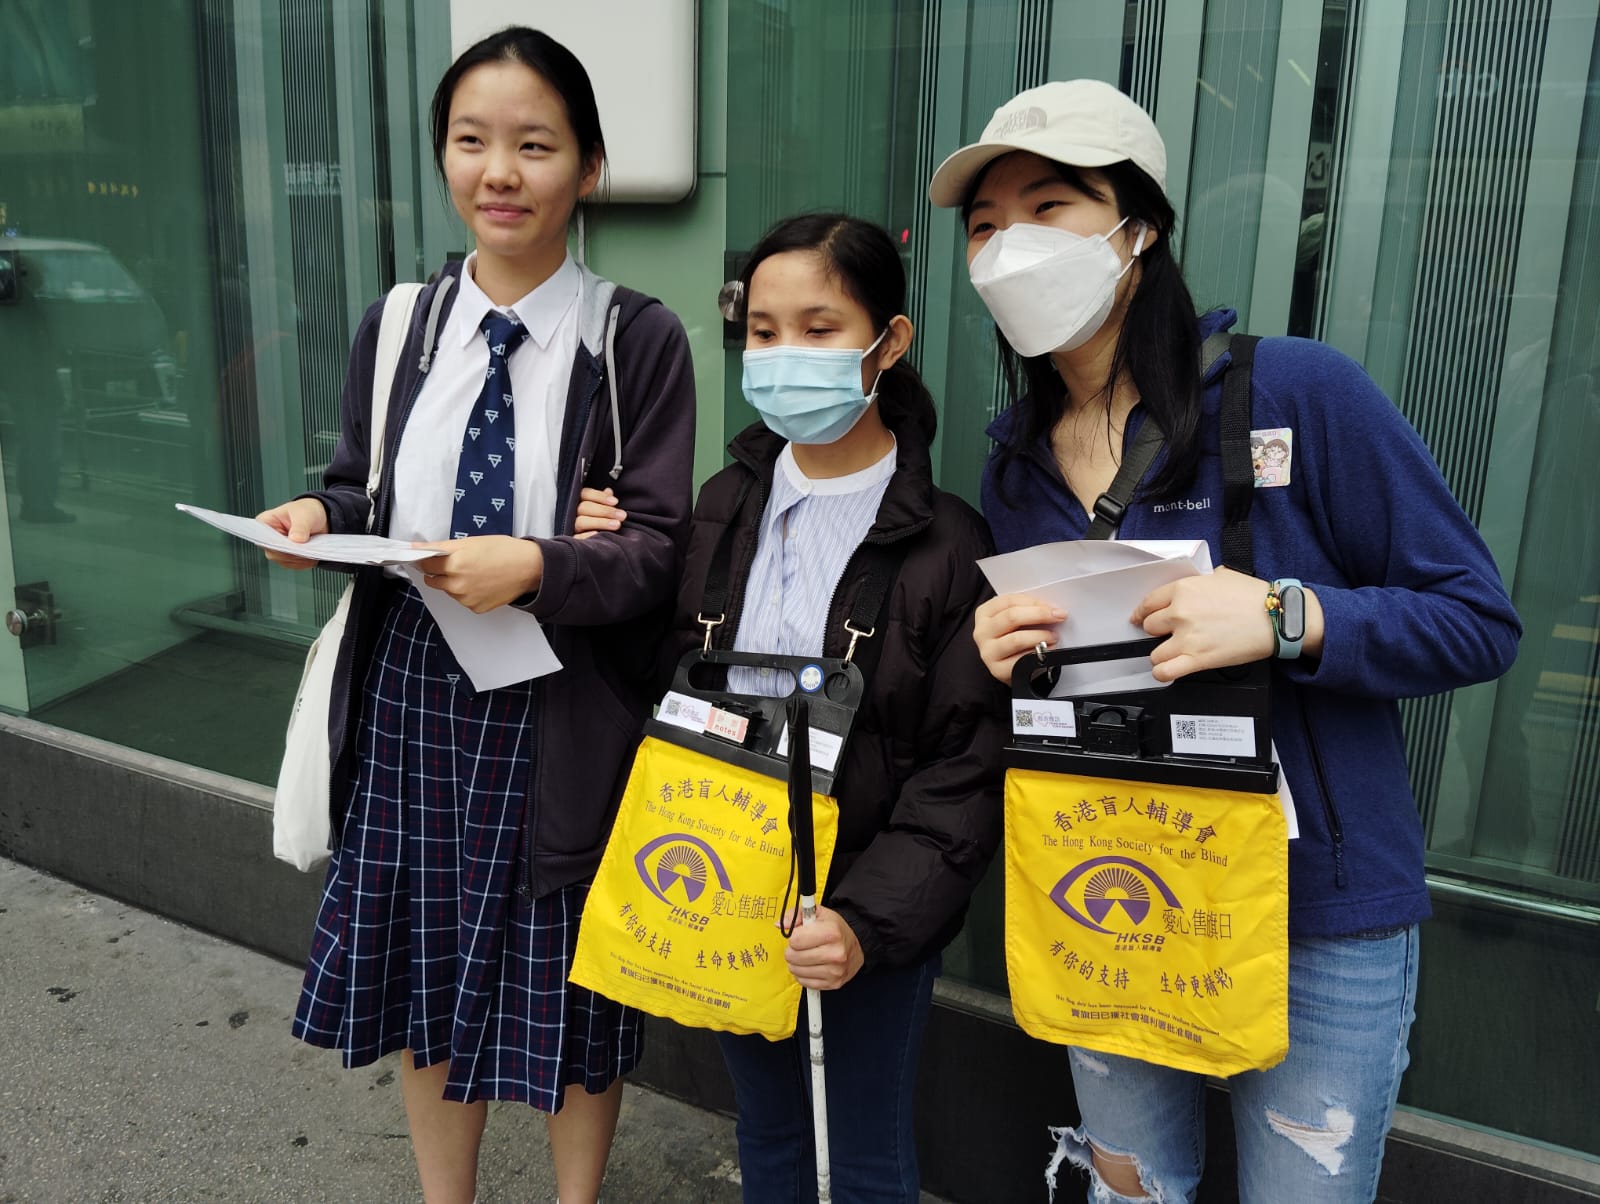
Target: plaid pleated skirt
column 422, row 941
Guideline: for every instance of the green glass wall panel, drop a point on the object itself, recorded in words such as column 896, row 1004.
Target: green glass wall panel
column 108, row 349
column 197, row 202
column 675, row 252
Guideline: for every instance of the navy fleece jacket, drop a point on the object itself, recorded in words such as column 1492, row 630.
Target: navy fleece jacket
column 1413, row 603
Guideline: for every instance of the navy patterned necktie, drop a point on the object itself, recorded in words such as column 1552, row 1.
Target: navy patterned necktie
column 485, row 474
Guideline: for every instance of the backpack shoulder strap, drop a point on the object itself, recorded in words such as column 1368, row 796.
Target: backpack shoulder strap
column 1238, row 478
column 1111, row 505
column 393, row 329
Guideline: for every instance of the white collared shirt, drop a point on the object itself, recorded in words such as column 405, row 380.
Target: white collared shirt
column 541, row 370
column 809, row 531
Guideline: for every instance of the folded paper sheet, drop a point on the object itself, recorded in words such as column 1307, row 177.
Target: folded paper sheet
column 336, row 549
column 499, row 648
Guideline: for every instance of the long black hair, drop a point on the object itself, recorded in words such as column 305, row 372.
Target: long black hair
column 540, row 53
column 862, row 258
column 1158, row 347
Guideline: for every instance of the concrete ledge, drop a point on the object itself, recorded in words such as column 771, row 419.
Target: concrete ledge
column 184, row 842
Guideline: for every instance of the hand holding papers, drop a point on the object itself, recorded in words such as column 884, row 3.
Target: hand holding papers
column 338, row 549
column 1098, row 582
column 497, row 648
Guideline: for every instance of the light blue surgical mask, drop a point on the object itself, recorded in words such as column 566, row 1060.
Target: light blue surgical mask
column 808, row 394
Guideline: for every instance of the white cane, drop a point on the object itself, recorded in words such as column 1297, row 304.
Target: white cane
column 805, row 854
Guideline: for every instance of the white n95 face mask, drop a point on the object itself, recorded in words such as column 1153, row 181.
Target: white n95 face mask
column 1049, row 289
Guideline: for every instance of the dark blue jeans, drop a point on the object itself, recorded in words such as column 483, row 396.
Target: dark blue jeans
column 872, row 1033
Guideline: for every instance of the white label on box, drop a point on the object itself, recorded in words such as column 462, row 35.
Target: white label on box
column 825, row 748
column 1043, row 717
column 1214, row 735
column 680, row 710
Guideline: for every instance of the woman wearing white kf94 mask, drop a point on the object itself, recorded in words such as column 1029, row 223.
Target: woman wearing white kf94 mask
column 1068, row 235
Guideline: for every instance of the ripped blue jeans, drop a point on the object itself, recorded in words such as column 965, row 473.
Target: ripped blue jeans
column 1310, row 1130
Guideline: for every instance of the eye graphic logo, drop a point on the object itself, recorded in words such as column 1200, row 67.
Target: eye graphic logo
column 678, row 867
column 1110, row 890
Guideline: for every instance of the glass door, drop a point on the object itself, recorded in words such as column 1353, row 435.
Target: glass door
column 104, row 340
column 194, row 212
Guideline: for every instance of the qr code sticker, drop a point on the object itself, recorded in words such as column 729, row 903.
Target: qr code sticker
column 672, row 706
column 1185, row 729
column 1024, row 718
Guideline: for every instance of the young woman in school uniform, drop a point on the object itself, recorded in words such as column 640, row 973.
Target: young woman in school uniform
column 468, row 823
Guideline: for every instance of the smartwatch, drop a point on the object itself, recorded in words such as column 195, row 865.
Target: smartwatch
column 1286, row 606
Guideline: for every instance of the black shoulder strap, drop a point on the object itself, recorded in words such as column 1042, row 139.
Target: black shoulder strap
column 882, row 562
column 1111, row 505
column 1238, row 478
column 714, row 597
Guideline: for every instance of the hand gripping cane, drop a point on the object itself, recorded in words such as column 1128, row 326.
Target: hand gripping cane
column 805, row 853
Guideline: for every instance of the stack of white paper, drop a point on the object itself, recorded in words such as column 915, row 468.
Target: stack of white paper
column 1098, row 582
column 338, row 549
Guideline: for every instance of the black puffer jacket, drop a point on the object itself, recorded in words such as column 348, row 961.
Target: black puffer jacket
column 919, row 791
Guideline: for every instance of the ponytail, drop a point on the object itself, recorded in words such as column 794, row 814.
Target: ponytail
column 905, row 405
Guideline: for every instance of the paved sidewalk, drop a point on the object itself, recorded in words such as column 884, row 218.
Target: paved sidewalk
column 150, row 1062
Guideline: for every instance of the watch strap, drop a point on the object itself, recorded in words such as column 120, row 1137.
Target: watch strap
column 1287, row 649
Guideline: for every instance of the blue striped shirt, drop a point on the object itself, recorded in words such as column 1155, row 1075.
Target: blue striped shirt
column 808, row 533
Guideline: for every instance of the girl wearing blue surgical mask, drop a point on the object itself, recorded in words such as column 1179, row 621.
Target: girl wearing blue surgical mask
column 834, row 482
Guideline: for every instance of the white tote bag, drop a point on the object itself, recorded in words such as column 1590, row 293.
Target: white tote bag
column 300, row 808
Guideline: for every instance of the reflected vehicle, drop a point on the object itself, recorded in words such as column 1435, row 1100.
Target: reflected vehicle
column 84, row 350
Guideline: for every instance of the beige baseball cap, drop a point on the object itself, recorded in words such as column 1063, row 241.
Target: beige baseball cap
column 1082, row 122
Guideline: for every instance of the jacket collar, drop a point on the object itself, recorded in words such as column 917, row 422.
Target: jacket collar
column 907, row 505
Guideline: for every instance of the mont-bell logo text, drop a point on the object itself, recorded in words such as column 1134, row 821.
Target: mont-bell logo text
column 1181, row 504
column 678, row 869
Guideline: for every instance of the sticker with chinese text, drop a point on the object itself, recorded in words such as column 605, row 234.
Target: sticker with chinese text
column 1043, row 717
column 727, row 725
column 825, row 747
column 680, row 710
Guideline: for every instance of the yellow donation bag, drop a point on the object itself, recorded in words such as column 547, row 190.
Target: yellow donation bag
column 1148, row 920
column 1146, row 862
column 682, row 920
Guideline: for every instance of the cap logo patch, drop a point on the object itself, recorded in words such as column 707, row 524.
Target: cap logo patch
column 1031, row 118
